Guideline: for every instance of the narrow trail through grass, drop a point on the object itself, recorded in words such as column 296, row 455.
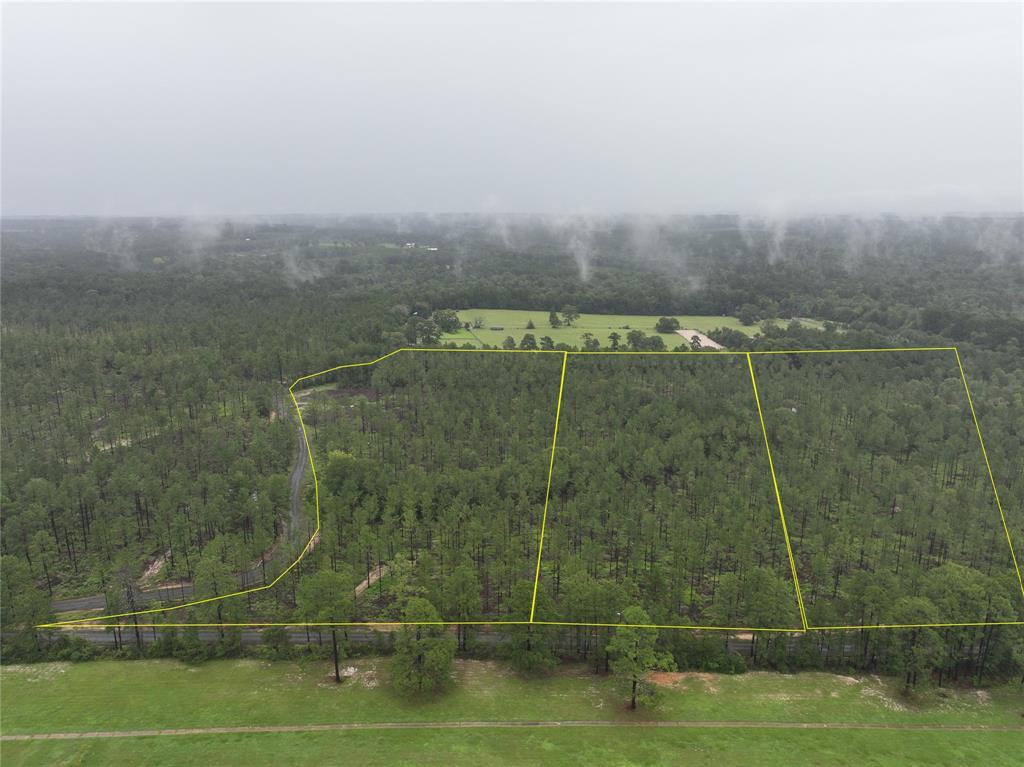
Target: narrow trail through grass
column 339, row 726
column 161, row 712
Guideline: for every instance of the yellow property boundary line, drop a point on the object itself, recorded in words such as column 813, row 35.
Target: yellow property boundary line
column 88, row 623
column 778, row 497
column 547, row 493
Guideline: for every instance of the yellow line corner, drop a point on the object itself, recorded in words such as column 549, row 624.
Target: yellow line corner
column 88, row 623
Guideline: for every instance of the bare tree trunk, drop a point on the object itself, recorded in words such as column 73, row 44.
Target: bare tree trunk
column 334, row 642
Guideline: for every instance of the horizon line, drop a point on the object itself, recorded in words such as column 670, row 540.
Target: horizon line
column 530, row 214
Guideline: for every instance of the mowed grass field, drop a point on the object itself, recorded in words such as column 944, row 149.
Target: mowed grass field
column 122, row 696
column 514, row 322
column 583, row 746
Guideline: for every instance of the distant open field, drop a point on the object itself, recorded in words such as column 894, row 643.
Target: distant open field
column 514, row 321
column 745, row 717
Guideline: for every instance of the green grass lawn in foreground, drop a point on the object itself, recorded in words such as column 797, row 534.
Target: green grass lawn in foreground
column 125, row 695
column 158, row 694
column 576, row 746
column 600, row 325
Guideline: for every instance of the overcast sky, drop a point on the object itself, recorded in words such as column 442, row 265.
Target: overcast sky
column 265, row 109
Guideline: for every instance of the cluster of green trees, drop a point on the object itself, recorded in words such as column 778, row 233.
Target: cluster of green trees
column 424, row 654
column 143, row 369
column 636, row 340
column 567, row 316
column 123, row 447
column 433, row 467
column 662, row 503
column 661, row 494
column 891, row 512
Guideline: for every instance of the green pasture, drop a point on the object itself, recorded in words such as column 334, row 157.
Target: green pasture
column 163, row 694
column 514, row 323
column 126, row 695
column 585, row 746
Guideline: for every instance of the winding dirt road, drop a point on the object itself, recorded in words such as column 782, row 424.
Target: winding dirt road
column 298, row 473
column 512, row 725
column 247, row 579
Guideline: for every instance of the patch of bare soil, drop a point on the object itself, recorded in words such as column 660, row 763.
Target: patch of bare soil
column 375, row 575
column 119, row 442
column 356, row 391
column 154, row 568
column 665, row 678
column 879, row 694
column 174, row 584
column 705, row 342
column 37, row 672
column 674, row 678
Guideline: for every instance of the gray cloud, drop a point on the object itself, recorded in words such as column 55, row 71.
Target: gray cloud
column 774, row 110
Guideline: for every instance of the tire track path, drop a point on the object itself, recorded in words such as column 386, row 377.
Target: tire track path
column 343, row 726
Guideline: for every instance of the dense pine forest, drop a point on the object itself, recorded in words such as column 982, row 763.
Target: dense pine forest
column 150, row 452
column 433, row 472
column 886, row 490
column 662, row 493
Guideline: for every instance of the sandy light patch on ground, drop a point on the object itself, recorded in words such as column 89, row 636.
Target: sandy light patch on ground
column 375, row 575
column 705, row 342
column 786, row 697
column 119, row 442
column 252, row 663
column 478, row 674
column 676, row 679
column 155, row 567
column 665, row 678
column 878, row 694
column 37, row 672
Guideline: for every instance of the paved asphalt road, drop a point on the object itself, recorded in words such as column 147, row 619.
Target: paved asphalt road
column 298, row 636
